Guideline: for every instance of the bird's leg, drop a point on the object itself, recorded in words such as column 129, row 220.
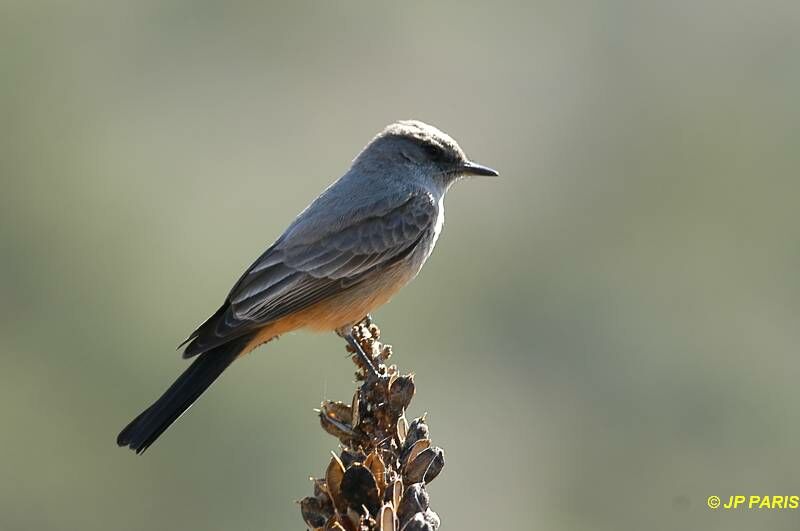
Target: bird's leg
column 347, row 334
column 351, row 340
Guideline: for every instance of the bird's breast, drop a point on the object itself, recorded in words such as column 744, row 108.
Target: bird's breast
column 437, row 228
column 428, row 242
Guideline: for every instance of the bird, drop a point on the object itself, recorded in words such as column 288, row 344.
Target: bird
column 360, row 241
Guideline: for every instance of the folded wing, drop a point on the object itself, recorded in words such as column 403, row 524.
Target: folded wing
column 292, row 276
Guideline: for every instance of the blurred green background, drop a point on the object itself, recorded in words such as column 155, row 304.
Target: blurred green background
column 604, row 337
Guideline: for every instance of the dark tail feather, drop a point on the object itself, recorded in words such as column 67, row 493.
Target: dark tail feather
column 146, row 428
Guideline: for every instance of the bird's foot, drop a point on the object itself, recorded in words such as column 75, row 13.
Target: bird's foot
column 367, row 362
column 362, row 341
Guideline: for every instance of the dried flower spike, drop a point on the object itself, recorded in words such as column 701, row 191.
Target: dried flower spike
column 377, row 482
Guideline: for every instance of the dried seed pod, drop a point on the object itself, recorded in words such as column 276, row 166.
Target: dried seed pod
column 338, row 411
column 320, row 488
column 413, row 451
column 415, row 500
column 315, row 512
column 401, row 392
column 425, row 466
column 335, row 418
column 432, row 518
column 397, row 493
column 393, row 376
column 349, row 457
column 387, row 519
column 354, row 409
column 418, row 523
column 402, row 429
column 360, row 489
column 416, row 431
column 333, row 480
column 375, row 464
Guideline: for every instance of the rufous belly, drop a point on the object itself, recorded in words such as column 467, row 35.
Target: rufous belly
column 343, row 309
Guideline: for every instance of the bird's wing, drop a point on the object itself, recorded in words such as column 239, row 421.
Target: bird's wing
column 292, row 276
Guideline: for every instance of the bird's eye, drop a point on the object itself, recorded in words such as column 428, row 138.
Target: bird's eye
column 434, row 152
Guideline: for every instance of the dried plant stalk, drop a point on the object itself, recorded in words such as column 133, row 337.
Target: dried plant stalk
column 377, row 480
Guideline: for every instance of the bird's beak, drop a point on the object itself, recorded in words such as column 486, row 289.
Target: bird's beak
column 473, row 168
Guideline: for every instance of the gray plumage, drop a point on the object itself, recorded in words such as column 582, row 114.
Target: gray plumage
column 386, row 208
column 348, row 252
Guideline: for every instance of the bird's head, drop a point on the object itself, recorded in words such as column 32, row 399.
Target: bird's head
column 419, row 149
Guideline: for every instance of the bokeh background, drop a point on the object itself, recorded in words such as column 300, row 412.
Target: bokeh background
column 604, row 337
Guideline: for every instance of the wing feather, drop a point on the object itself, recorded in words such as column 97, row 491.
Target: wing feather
column 349, row 254
column 293, row 275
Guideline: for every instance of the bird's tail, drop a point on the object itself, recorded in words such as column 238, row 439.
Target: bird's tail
column 146, row 428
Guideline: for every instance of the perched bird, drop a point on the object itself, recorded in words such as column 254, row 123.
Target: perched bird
column 365, row 237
